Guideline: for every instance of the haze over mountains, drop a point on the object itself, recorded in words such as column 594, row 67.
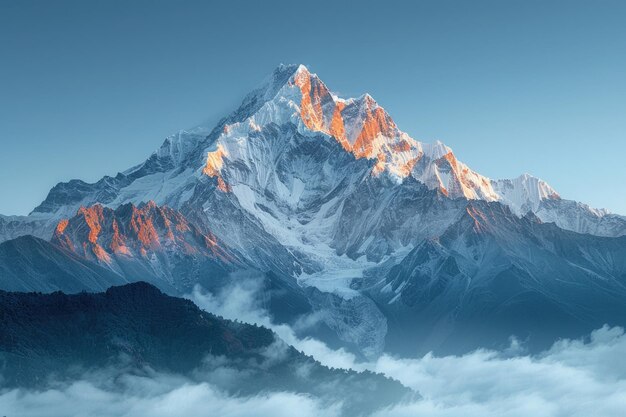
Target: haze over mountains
column 396, row 245
column 135, row 331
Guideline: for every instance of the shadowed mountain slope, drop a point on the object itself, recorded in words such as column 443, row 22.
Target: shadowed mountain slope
column 135, row 328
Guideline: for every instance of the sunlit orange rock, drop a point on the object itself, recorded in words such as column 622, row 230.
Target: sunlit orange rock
column 214, row 161
column 142, row 225
column 337, row 127
column 222, row 186
column 61, row 226
column 317, row 99
column 407, row 168
column 376, row 123
column 379, row 167
column 93, row 217
column 214, row 164
column 101, row 254
column 102, row 234
column 313, row 94
column 118, row 244
column 460, row 183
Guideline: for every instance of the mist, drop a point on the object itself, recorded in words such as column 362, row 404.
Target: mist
column 573, row 378
column 159, row 396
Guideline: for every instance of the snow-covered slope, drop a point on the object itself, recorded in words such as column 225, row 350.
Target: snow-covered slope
column 362, row 128
column 530, row 194
column 326, row 194
column 492, row 275
column 579, row 217
column 524, row 193
column 297, row 101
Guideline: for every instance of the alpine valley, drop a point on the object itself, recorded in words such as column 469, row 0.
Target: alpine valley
column 384, row 243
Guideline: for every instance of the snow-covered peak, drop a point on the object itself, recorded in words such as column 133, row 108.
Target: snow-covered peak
column 436, row 150
column 360, row 125
column 301, row 68
column 524, row 193
column 293, row 142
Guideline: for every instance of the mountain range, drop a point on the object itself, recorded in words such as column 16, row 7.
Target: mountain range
column 398, row 244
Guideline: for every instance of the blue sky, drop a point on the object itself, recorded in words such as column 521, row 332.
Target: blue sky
column 91, row 88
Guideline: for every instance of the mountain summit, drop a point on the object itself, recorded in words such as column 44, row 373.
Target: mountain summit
column 294, row 96
column 361, row 127
column 350, row 216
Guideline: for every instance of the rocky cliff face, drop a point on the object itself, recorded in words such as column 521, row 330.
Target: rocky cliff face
column 146, row 242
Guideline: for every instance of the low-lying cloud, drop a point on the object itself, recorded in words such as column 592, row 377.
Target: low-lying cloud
column 584, row 377
column 240, row 301
column 157, row 396
column 574, row 378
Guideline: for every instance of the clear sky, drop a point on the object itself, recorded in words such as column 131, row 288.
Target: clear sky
column 89, row 88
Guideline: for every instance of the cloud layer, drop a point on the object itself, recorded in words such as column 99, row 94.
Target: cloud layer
column 573, row 378
column 158, row 396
